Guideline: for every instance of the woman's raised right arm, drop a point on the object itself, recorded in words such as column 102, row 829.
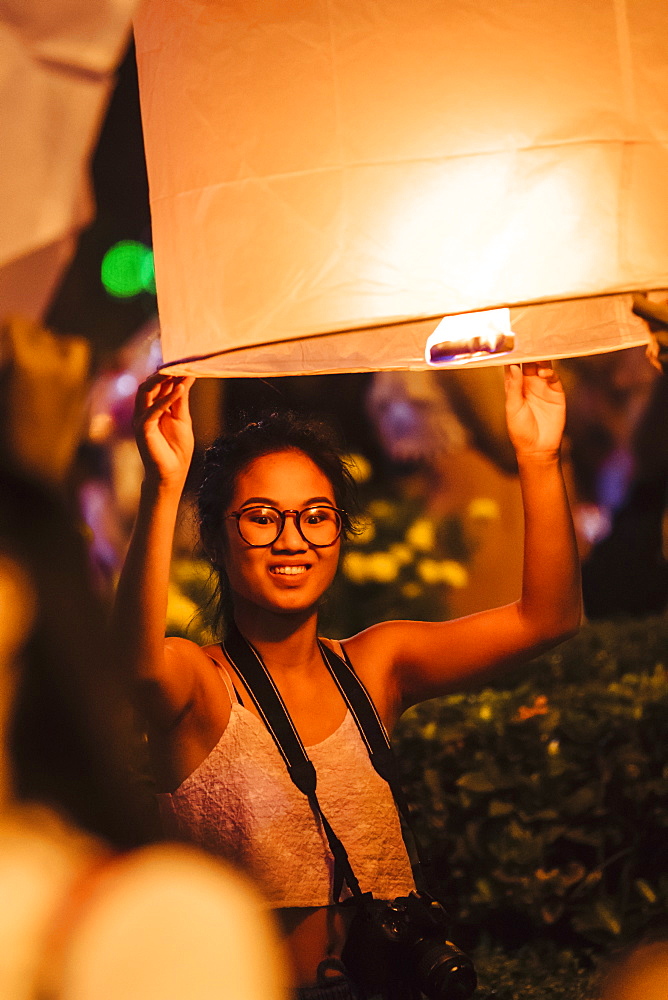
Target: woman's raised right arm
column 165, row 673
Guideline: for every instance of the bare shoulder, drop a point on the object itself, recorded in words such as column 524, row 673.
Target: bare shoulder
column 395, row 660
column 192, row 679
column 182, row 652
column 185, row 655
column 382, row 645
column 374, row 654
column 214, row 651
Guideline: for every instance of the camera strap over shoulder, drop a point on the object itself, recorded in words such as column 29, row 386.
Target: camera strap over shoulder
column 379, row 748
column 276, row 717
column 269, row 703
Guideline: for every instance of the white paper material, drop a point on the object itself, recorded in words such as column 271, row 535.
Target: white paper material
column 344, row 166
column 57, row 59
column 28, row 284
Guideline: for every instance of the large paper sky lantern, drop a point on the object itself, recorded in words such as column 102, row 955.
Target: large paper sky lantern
column 330, row 178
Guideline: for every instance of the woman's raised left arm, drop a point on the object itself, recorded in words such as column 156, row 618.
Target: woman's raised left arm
column 550, row 605
column 422, row 660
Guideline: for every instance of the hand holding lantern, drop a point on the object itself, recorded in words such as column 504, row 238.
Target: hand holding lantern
column 535, row 408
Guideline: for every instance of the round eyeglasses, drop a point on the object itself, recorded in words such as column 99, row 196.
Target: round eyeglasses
column 259, row 526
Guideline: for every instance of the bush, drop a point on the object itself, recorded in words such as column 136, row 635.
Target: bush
column 532, row 973
column 545, row 802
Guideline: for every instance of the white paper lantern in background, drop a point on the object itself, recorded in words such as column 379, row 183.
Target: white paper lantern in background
column 57, row 64
column 330, row 178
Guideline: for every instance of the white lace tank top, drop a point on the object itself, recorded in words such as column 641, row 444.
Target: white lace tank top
column 240, row 803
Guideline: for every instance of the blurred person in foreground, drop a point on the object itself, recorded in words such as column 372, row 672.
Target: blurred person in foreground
column 82, row 914
column 91, row 908
column 639, row 973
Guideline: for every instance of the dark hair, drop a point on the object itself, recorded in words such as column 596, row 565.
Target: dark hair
column 231, row 453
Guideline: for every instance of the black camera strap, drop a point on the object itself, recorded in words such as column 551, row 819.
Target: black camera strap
column 369, row 723
column 269, row 703
column 381, row 754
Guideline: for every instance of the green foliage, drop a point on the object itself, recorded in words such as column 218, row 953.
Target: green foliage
column 547, row 802
column 399, row 565
column 531, row 973
column 402, row 561
column 189, row 605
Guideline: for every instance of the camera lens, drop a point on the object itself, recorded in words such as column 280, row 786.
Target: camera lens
column 443, row 971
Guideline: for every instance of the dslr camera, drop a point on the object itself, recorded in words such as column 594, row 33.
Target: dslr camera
column 406, row 941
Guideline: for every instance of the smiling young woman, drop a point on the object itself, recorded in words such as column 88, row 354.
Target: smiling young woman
column 273, row 508
column 283, row 550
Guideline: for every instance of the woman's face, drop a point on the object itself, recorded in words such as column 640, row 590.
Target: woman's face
column 289, row 575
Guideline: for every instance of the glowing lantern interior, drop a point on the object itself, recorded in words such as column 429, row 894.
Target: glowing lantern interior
column 330, row 179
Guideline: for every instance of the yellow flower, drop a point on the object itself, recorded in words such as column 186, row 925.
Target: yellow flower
column 428, row 571
column 446, row 571
column 379, row 509
column 484, row 509
column 454, row 574
column 354, row 566
column 401, row 553
column 421, row 535
column 379, row 567
column 360, row 468
column 383, row 568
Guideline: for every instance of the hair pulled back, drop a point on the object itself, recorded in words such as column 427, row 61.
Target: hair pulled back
column 231, row 453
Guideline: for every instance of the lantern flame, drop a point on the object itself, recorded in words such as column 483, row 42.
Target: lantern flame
column 470, row 337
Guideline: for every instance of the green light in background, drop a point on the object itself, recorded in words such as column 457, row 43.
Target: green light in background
column 127, row 269
column 147, row 272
